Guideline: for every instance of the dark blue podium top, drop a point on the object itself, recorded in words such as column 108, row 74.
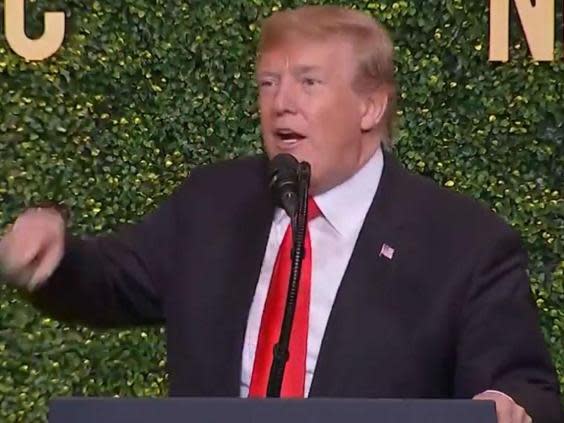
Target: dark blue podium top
column 223, row 410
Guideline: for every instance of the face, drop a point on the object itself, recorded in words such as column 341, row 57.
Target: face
column 309, row 109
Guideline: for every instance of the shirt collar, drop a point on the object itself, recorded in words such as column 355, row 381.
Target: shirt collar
column 345, row 206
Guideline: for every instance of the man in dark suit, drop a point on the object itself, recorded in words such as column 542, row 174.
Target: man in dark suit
column 410, row 291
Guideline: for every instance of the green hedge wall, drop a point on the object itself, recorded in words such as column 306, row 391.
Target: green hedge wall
column 142, row 91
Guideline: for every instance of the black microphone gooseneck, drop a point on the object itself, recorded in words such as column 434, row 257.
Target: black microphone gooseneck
column 298, row 225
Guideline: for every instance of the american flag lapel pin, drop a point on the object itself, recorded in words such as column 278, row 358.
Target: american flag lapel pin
column 387, row 251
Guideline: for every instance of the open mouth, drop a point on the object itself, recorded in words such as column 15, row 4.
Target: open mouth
column 288, row 137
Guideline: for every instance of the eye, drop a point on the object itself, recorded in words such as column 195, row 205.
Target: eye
column 265, row 83
column 310, row 82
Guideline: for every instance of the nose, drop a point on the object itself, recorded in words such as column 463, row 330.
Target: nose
column 285, row 98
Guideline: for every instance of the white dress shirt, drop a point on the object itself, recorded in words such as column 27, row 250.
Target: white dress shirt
column 333, row 236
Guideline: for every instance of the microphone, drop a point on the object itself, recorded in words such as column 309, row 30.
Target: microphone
column 283, row 175
column 289, row 181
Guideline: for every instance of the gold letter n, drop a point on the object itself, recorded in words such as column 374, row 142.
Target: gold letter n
column 41, row 48
column 537, row 22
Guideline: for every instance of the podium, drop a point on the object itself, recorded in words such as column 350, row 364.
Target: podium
column 235, row 410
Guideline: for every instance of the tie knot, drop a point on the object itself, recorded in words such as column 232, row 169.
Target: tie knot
column 312, row 209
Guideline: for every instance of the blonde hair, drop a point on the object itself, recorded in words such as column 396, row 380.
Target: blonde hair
column 372, row 45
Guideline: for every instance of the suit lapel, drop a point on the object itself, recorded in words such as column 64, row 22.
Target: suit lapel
column 252, row 226
column 367, row 272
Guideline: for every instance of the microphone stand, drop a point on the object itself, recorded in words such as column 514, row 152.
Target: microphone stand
column 298, row 225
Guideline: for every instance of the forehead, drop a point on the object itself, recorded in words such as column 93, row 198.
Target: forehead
column 299, row 53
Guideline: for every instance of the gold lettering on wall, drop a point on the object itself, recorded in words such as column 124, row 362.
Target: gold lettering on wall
column 32, row 49
column 537, row 22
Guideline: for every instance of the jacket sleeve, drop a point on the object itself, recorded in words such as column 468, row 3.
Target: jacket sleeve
column 117, row 279
column 501, row 346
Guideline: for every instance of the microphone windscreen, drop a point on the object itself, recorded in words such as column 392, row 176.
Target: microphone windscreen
column 283, row 176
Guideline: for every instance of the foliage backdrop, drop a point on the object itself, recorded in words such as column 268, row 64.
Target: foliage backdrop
column 142, row 91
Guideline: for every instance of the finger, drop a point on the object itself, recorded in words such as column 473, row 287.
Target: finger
column 487, row 396
column 9, row 243
column 520, row 415
column 17, row 278
column 49, row 261
column 21, row 248
column 6, row 253
column 503, row 411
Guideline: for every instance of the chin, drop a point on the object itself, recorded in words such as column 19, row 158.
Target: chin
column 300, row 153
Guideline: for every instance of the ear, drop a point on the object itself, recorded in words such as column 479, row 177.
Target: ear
column 374, row 106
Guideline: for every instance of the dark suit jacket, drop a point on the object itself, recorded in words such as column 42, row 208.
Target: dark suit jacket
column 450, row 315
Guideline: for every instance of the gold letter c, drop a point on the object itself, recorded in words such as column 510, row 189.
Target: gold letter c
column 41, row 48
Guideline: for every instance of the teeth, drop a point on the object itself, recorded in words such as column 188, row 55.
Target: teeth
column 288, row 134
column 290, row 137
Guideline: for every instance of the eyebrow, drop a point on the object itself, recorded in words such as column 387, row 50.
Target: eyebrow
column 299, row 70
column 307, row 68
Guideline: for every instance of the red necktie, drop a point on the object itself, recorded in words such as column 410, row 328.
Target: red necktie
column 271, row 322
